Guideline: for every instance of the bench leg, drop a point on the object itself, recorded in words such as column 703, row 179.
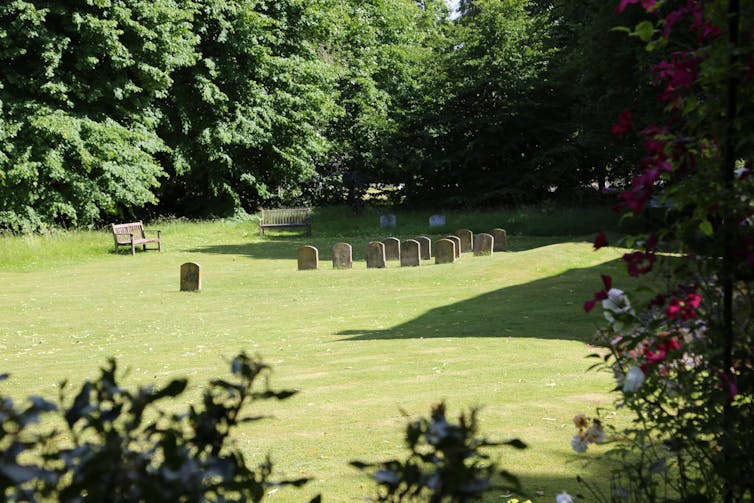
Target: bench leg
column 133, row 248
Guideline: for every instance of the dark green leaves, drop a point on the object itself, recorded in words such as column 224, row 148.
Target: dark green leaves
column 445, row 463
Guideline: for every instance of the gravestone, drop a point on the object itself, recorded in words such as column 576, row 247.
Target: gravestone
column 437, row 220
column 445, row 251
column 457, row 241
column 501, row 239
column 388, row 221
column 426, row 247
column 392, row 248
column 410, row 253
column 483, row 244
column 467, row 240
column 342, row 256
column 191, row 277
column 375, row 255
column 308, row 258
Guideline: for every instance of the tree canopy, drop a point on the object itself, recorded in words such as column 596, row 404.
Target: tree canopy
column 115, row 109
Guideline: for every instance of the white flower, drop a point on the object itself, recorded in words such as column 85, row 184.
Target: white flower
column 616, row 301
column 563, row 497
column 579, row 443
column 633, row 380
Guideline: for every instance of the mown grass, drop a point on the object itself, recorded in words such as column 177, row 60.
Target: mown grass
column 363, row 346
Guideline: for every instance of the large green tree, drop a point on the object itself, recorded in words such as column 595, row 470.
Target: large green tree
column 246, row 122
column 78, row 87
column 482, row 121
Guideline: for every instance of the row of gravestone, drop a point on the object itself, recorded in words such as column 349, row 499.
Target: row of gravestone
column 411, row 251
column 391, row 221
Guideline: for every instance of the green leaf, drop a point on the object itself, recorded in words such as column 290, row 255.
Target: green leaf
column 644, row 31
column 706, row 227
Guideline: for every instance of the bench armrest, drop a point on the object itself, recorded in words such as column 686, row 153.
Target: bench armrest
column 158, row 231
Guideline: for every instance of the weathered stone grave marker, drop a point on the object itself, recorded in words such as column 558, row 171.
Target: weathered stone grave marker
column 410, row 254
column 501, row 239
column 445, row 251
column 342, row 256
column 467, row 240
column 308, row 258
column 375, row 255
column 483, row 244
column 426, row 247
column 191, row 277
column 392, row 248
column 457, row 241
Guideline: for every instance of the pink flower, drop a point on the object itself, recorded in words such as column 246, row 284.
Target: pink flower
column 679, row 73
column 623, row 125
column 647, row 4
column 639, row 263
column 600, row 241
column 607, row 282
column 686, row 308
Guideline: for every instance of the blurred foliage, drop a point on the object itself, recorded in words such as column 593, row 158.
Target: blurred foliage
column 123, row 448
column 446, row 462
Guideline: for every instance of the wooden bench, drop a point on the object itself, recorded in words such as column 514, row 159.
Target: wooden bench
column 286, row 217
column 133, row 234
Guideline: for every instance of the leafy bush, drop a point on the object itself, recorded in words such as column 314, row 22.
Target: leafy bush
column 445, row 463
column 124, row 449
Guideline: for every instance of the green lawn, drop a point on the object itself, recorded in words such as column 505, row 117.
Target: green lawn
column 506, row 332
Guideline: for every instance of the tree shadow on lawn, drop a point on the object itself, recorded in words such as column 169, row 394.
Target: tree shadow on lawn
column 549, row 308
column 286, row 247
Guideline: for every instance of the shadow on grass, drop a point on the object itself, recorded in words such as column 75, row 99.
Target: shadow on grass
column 549, row 308
column 286, row 247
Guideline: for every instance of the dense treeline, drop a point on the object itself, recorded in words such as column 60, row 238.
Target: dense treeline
column 115, row 109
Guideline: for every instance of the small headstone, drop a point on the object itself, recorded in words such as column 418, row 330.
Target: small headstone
column 501, row 239
column 410, row 253
column 308, row 258
column 392, row 248
column 457, row 242
column 437, row 220
column 342, row 256
column 375, row 255
column 426, row 247
column 191, row 277
column 445, row 251
column 467, row 240
column 388, row 221
column 483, row 244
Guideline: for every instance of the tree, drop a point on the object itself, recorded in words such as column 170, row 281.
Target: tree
column 246, row 123
column 478, row 131
column 78, row 111
column 381, row 50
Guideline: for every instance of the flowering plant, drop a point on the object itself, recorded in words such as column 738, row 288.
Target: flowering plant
column 684, row 360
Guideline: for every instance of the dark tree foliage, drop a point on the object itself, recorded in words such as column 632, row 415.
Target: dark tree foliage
column 479, row 132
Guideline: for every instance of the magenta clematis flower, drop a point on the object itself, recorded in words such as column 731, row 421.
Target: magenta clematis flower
column 648, row 5
column 600, row 241
column 623, row 125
